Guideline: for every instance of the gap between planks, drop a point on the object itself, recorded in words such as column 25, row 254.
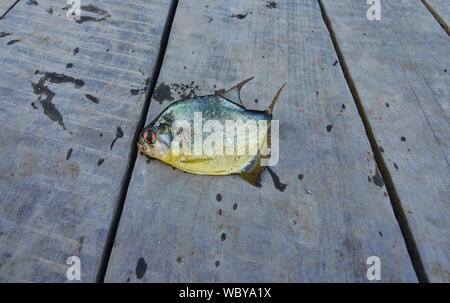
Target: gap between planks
column 436, row 16
column 399, row 212
column 134, row 151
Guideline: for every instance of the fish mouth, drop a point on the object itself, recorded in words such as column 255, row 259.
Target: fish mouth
column 140, row 146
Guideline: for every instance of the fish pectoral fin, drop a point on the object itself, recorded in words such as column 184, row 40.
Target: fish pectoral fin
column 252, row 172
column 234, row 93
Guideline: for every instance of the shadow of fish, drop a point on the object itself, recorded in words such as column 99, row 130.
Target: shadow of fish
column 188, row 135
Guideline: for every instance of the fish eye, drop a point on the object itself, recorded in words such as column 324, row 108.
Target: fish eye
column 149, row 137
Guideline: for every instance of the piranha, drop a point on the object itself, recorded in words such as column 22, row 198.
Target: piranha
column 179, row 135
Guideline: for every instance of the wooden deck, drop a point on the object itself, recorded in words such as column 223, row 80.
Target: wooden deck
column 364, row 141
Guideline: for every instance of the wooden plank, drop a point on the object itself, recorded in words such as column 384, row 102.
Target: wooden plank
column 333, row 214
column 5, row 5
column 441, row 11
column 399, row 66
column 71, row 95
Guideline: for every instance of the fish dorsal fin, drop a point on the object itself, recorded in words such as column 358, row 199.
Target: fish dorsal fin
column 252, row 172
column 234, row 93
column 270, row 110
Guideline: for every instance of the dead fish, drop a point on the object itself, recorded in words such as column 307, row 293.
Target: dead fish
column 173, row 136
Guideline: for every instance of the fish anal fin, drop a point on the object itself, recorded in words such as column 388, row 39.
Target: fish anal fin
column 234, row 93
column 252, row 172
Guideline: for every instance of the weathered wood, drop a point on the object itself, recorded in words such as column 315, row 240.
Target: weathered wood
column 441, row 11
column 333, row 214
column 60, row 181
column 5, row 5
column 399, row 67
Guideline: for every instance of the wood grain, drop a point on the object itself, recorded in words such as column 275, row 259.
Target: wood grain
column 399, row 67
column 71, row 95
column 334, row 213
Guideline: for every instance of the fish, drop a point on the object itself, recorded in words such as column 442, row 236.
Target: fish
column 188, row 135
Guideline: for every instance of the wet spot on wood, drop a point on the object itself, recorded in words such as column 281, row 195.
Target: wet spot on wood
column 75, row 50
column 256, row 100
column 403, row 139
column 40, row 89
column 377, row 179
column 217, row 263
column 69, row 65
column 119, row 134
column 235, row 206
column 100, row 135
column 100, row 161
column 223, row 236
column 271, row 4
column 91, row 19
column 69, row 153
column 219, row 197
column 50, row 11
column 162, row 93
column 4, row 34
column 134, row 91
column 387, row 104
column 239, row 16
column 329, row 127
column 380, row 233
column 141, row 268
column 94, row 9
column 343, row 106
column 300, row 177
column 92, row 98
column 276, row 180
column 220, row 91
column 179, row 259
column 13, row 41
column 185, row 90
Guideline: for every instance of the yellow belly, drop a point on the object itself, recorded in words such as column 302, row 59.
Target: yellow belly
column 209, row 165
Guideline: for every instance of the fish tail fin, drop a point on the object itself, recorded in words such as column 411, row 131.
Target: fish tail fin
column 252, row 173
column 270, row 110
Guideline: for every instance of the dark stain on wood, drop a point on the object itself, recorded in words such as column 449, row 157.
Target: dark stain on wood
column 239, row 16
column 162, row 93
column 75, row 51
column 13, row 41
column 141, row 268
column 4, row 34
column 69, row 153
column 329, row 127
column 69, row 65
column 119, row 134
column 100, row 161
column 219, row 197
column 271, row 4
column 377, row 179
column 276, row 180
column 92, row 98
